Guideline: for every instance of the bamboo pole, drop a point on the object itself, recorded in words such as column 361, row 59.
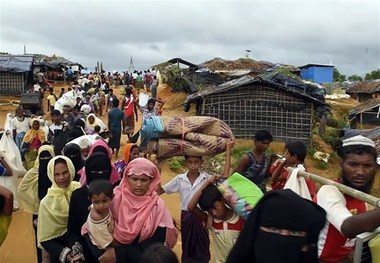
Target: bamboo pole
column 343, row 188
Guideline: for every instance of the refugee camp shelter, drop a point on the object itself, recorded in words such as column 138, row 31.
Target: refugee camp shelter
column 54, row 67
column 367, row 113
column 251, row 104
column 365, row 90
column 15, row 73
column 319, row 73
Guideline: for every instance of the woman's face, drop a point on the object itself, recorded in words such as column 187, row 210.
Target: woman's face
column 85, row 151
column 61, row 175
column 36, row 125
column 135, row 153
column 91, row 119
column 139, row 184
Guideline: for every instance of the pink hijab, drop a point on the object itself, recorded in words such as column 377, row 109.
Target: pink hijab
column 115, row 177
column 141, row 215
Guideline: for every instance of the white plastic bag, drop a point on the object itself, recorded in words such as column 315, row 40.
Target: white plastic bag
column 143, row 100
column 298, row 184
column 8, row 122
column 13, row 158
column 68, row 98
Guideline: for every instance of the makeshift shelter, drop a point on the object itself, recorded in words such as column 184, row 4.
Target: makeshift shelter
column 365, row 90
column 366, row 113
column 15, row 73
column 54, row 67
column 251, row 104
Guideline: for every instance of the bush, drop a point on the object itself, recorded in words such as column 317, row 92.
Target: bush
column 339, row 124
column 321, row 165
column 332, row 137
column 177, row 163
column 311, row 151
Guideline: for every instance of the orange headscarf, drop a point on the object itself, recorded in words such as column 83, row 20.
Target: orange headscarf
column 141, row 215
column 127, row 152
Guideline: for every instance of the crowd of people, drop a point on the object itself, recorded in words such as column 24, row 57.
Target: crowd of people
column 88, row 208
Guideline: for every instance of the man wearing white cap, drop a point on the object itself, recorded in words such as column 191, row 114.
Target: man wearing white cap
column 346, row 215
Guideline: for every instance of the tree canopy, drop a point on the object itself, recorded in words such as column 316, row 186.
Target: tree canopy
column 375, row 74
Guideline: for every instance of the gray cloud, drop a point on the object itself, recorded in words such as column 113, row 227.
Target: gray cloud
column 287, row 31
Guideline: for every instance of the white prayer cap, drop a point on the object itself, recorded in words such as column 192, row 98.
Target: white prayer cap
column 358, row 140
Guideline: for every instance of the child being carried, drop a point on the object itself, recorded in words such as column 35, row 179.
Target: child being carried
column 100, row 221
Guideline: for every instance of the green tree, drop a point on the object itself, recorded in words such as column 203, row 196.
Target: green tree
column 375, row 74
column 355, row 78
column 337, row 77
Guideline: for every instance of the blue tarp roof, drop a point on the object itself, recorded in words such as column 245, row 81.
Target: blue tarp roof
column 15, row 63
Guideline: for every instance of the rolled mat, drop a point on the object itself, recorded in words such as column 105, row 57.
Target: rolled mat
column 194, row 136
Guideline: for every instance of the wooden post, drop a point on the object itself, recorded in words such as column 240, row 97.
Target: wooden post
column 361, row 120
column 343, row 188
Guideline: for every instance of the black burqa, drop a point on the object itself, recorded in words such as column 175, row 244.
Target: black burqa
column 44, row 182
column 98, row 166
column 72, row 151
column 282, row 209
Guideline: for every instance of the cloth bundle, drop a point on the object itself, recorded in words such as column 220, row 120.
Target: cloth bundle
column 194, row 136
column 240, row 194
column 298, row 184
column 13, row 158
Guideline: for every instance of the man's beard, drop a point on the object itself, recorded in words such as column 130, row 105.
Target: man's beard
column 365, row 189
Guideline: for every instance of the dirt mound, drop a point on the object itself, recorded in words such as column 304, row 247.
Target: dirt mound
column 241, row 63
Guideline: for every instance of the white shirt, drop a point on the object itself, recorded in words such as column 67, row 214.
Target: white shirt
column 333, row 202
column 54, row 127
column 36, row 88
column 20, row 126
column 182, row 185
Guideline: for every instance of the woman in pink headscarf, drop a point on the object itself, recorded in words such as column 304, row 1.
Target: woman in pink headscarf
column 100, row 146
column 141, row 218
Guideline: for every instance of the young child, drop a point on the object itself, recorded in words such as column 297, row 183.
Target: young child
column 51, row 99
column 294, row 155
column 195, row 239
column 225, row 225
column 20, row 126
column 55, row 126
column 100, row 222
column 254, row 164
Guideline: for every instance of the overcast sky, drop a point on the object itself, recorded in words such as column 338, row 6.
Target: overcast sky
column 289, row 32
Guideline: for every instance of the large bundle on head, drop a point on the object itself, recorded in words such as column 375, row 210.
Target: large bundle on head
column 176, row 136
column 68, row 98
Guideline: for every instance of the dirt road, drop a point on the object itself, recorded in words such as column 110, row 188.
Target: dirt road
column 19, row 245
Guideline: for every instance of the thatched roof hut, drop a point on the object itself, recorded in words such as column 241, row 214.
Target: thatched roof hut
column 251, row 104
column 367, row 112
column 365, row 90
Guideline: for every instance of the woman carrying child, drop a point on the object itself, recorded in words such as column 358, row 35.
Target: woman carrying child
column 98, row 167
column 141, row 218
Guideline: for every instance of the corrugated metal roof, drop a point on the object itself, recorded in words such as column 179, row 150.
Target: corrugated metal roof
column 15, row 63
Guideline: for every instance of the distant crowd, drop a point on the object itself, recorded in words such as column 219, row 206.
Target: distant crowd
column 88, row 208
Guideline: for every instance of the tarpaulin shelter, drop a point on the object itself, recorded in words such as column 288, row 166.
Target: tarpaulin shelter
column 15, row 73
